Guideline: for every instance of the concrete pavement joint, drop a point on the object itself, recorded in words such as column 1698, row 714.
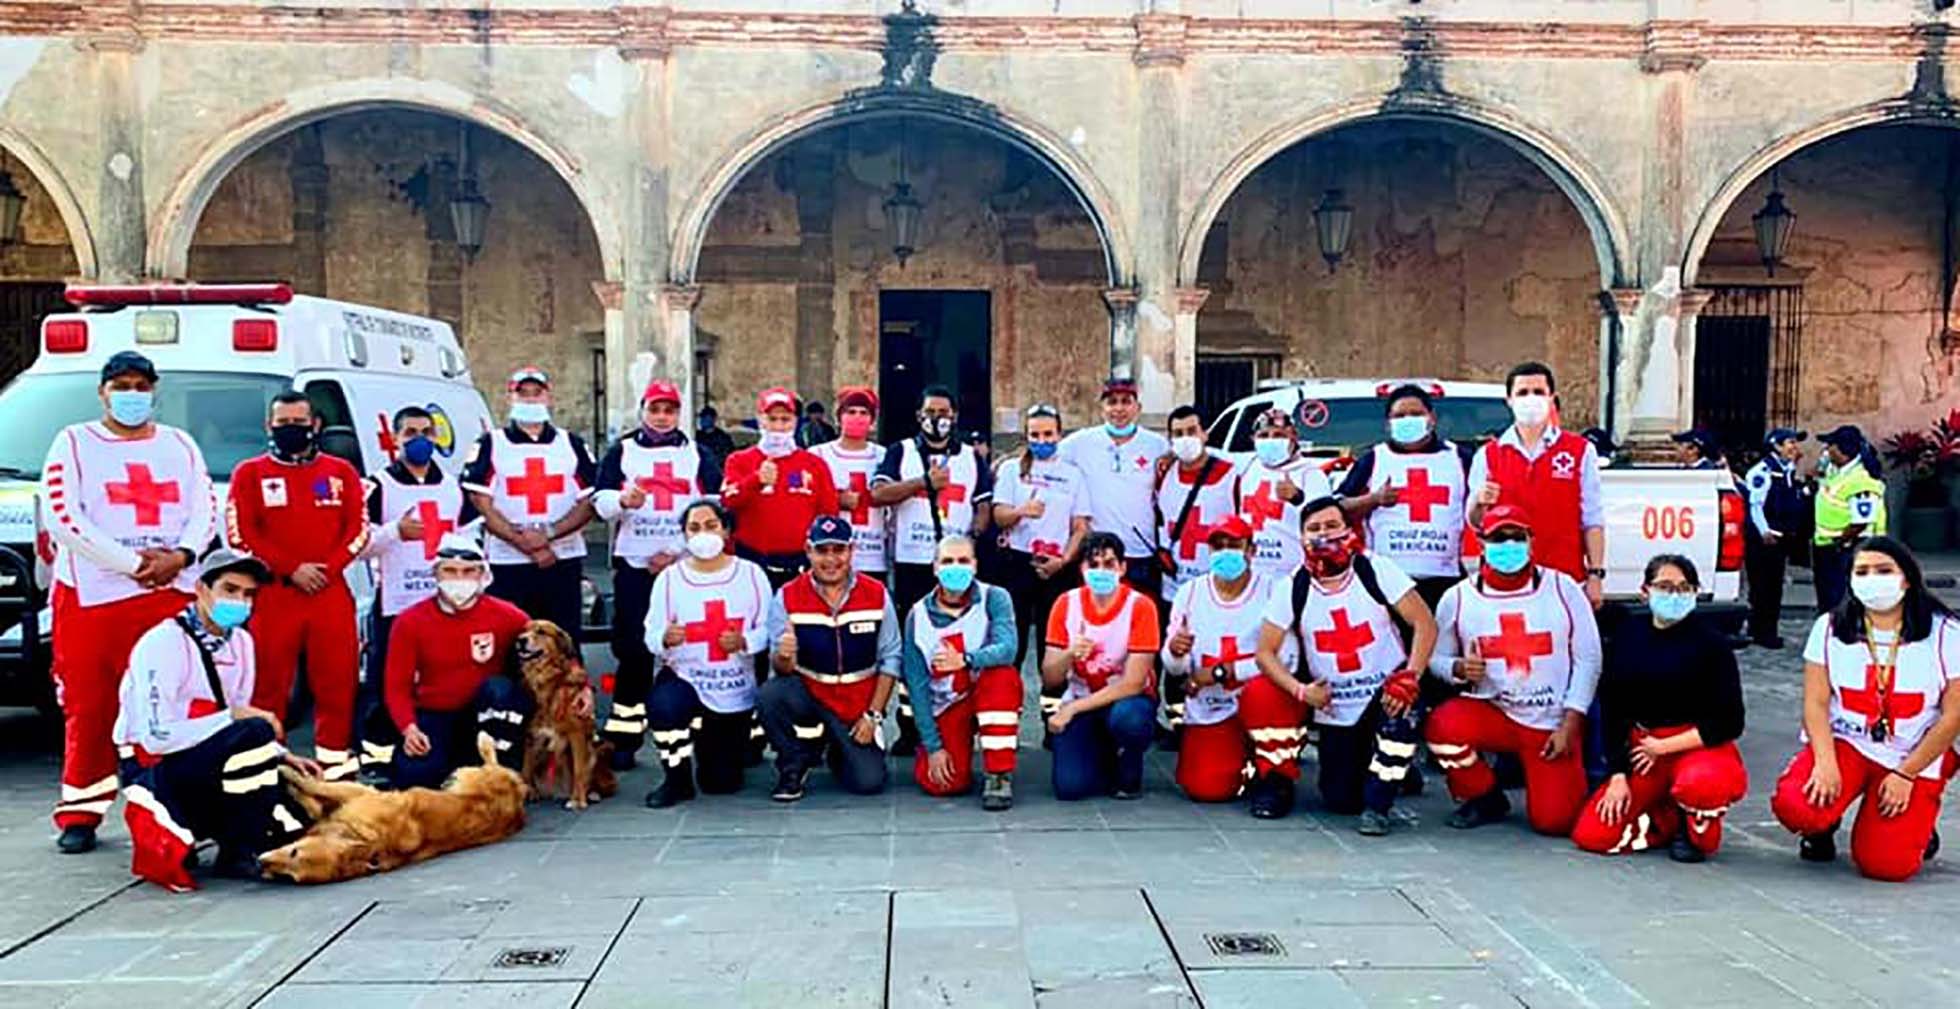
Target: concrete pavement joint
column 55, row 927
column 612, row 944
column 309, row 958
column 1177, row 956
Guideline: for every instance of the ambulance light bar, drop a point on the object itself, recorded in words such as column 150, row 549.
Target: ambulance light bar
column 1434, row 389
column 116, row 296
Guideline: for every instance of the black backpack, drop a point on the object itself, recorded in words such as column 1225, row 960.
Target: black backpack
column 1364, row 569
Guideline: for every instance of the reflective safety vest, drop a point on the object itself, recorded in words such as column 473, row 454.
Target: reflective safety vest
column 1848, row 497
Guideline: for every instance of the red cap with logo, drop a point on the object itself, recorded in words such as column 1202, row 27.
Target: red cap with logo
column 661, row 391
column 773, row 397
column 1233, row 526
column 857, row 395
column 1504, row 515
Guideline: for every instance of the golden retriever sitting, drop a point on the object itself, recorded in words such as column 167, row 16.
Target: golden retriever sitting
column 358, row 830
column 561, row 743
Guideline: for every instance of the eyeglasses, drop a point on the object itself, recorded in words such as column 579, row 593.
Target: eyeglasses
column 1673, row 587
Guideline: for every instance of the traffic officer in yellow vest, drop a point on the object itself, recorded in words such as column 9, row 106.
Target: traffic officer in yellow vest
column 1850, row 506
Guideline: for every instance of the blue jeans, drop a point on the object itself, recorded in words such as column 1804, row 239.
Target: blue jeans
column 1104, row 748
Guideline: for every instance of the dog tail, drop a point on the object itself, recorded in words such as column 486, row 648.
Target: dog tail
column 487, row 749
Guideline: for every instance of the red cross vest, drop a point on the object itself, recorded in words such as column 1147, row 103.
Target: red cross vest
column 705, row 604
column 407, row 570
column 914, row 540
column 970, row 629
column 1351, row 641
column 1059, row 487
column 1525, row 638
column 533, row 485
column 136, row 491
column 1213, row 505
column 1548, row 489
column 837, row 654
column 1275, row 524
column 1423, row 532
column 870, row 524
column 1921, row 675
column 1224, row 635
column 1111, row 642
column 670, row 476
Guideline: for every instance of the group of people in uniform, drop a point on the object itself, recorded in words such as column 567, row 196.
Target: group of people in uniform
column 783, row 597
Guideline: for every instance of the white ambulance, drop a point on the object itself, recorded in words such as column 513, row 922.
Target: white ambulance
column 223, row 351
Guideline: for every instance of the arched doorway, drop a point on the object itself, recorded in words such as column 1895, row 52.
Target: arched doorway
column 37, row 257
column 1468, row 249
column 1000, row 295
column 356, row 206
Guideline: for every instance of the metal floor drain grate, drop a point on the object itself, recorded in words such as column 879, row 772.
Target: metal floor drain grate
column 520, row 957
column 1244, row 944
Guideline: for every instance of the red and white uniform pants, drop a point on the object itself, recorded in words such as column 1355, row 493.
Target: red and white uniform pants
column 1696, row 788
column 1462, row 729
column 286, row 624
column 992, row 712
column 1888, row 848
column 91, row 652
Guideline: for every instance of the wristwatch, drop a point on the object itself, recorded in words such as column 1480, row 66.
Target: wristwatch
column 1599, row 573
column 877, row 717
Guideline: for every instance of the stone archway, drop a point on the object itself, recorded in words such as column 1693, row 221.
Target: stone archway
column 50, row 246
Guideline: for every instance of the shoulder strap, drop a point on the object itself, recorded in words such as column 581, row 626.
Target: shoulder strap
column 1364, row 569
column 932, row 493
column 1184, row 511
column 210, row 665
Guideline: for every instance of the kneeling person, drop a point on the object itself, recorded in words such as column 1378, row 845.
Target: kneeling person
column 1214, row 636
column 198, row 761
column 446, row 673
column 837, row 630
column 1102, row 649
column 959, row 651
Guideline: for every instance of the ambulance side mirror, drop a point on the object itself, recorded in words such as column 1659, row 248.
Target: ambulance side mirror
column 343, row 442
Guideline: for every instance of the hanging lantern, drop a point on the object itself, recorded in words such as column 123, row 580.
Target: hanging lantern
column 1773, row 225
column 469, row 212
column 1333, row 220
column 902, row 212
column 12, row 203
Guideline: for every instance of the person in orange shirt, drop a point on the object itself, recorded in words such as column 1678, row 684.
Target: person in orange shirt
column 1102, row 648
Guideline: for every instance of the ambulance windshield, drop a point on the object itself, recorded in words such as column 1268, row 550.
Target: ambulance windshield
column 223, row 411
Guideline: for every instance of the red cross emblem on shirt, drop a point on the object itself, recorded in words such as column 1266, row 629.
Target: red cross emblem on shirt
column 1192, row 536
column 1514, row 643
column 949, row 495
column 663, row 485
column 434, row 526
column 861, row 486
column 1866, row 701
column 1345, row 641
column 714, row 620
column 536, row 486
column 962, row 677
column 1263, row 506
column 1421, row 496
column 385, row 434
column 1227, row 657
column 144, row 493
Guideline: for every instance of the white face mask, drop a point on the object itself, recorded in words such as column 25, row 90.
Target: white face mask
column 705, row 546
column 1531, row 409
column 459, row 592
column 1879, row 592
column 1187, row 447
column 776, row 444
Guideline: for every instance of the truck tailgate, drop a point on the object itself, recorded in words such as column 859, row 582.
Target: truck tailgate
column 1656, row 511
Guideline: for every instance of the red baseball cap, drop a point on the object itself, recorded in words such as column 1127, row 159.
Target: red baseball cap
column 775, row 396
column 1233, row 526
column 661, row 391
column 857, row 395
column 1504, row 515
column 1117, row 386
column 529, row 373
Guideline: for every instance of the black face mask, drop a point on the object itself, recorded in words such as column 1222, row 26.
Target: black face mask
column 291, row 441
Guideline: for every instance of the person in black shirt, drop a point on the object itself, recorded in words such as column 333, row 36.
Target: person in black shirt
column 1670, row 699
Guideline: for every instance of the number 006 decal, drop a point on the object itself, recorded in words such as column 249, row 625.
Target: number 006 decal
column 1668, row 523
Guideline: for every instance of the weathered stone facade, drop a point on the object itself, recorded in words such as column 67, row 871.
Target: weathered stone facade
column 1530, row 177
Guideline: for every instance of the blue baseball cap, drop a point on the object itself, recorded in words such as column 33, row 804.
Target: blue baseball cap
column 1783, row 434
column 829, row 529
column 128, row 362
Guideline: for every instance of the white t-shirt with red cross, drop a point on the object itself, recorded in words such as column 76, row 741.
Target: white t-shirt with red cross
column 852, row 471
column 1351, row 641
column 1275, row 522
column 1225, row 635
column 1211, row 505
column 706, row 603
column 407, row 568
column 1064, row 497
column 1924, row 669
column 105, row 499
column 1540, row 645
column 1423, row 530
column 670, row 477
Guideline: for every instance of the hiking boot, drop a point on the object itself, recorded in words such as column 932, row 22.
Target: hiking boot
column 623, row 760
column 1818, row 847
column 236, row 865
column 1271, row 797
column 1932, row 846
column 1128, row 789
column 676, row 788
column 789, row 785
column 75, row 840
column 1373, row 824
column 1484, row 809
column 997, row 793
column 1682, row 849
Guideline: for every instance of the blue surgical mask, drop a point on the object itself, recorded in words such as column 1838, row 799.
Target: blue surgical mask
column 419, row 450
column 1272, row 451
column 1041, row 449
column 1507, row 558
column 230, row 614
column 1121, row 432
column 1408, row 430
column 131, row 407
column 1671, row 607
column 955, row 578
column 530, row 413
column 1101, row 581
column 1228, row 565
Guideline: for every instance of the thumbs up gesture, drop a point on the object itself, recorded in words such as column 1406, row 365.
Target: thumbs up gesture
column 786, row 646
column 1388, row 495
column 1488, row 494
column 675, row 634
column 1471, row 668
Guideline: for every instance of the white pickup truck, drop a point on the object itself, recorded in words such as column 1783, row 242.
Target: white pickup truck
column 1649, row 510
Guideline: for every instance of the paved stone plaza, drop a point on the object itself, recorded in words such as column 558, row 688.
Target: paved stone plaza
column 904, row 902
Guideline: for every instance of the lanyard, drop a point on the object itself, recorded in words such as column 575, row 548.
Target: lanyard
column 1884, row 675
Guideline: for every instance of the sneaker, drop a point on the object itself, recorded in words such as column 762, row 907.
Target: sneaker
column 1818, row 847
column 997, row 793
column 76, row 840
column 676, row 788
column 1271, row 797
column 1682, row 849
column 789, row 785
column 1481, row 810
column 1128, row 790
column 623, row 760
column 1373, row 824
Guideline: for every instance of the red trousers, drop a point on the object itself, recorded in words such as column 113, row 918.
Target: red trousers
column 1212, row 760
column 1276, row 722
column 91, row 652
column 1699, row 785
column 287, row 623
column 993, row 711
column 1885, row 848
column 1461, row 729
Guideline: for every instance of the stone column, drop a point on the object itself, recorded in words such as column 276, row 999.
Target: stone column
column 121, row 225
column 1657, row 366
column 1158, row 355
column 612, row 299
column 1122, row 304
column 644, row 340
column 1189, row 300
column 1617, row 308
column 677, row 305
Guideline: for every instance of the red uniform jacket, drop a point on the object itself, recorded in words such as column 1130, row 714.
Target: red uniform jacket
column 437, row 659
column 775, row 521
column 289, row 514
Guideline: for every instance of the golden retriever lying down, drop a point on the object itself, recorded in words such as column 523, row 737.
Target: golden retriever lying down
column 358, row 830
